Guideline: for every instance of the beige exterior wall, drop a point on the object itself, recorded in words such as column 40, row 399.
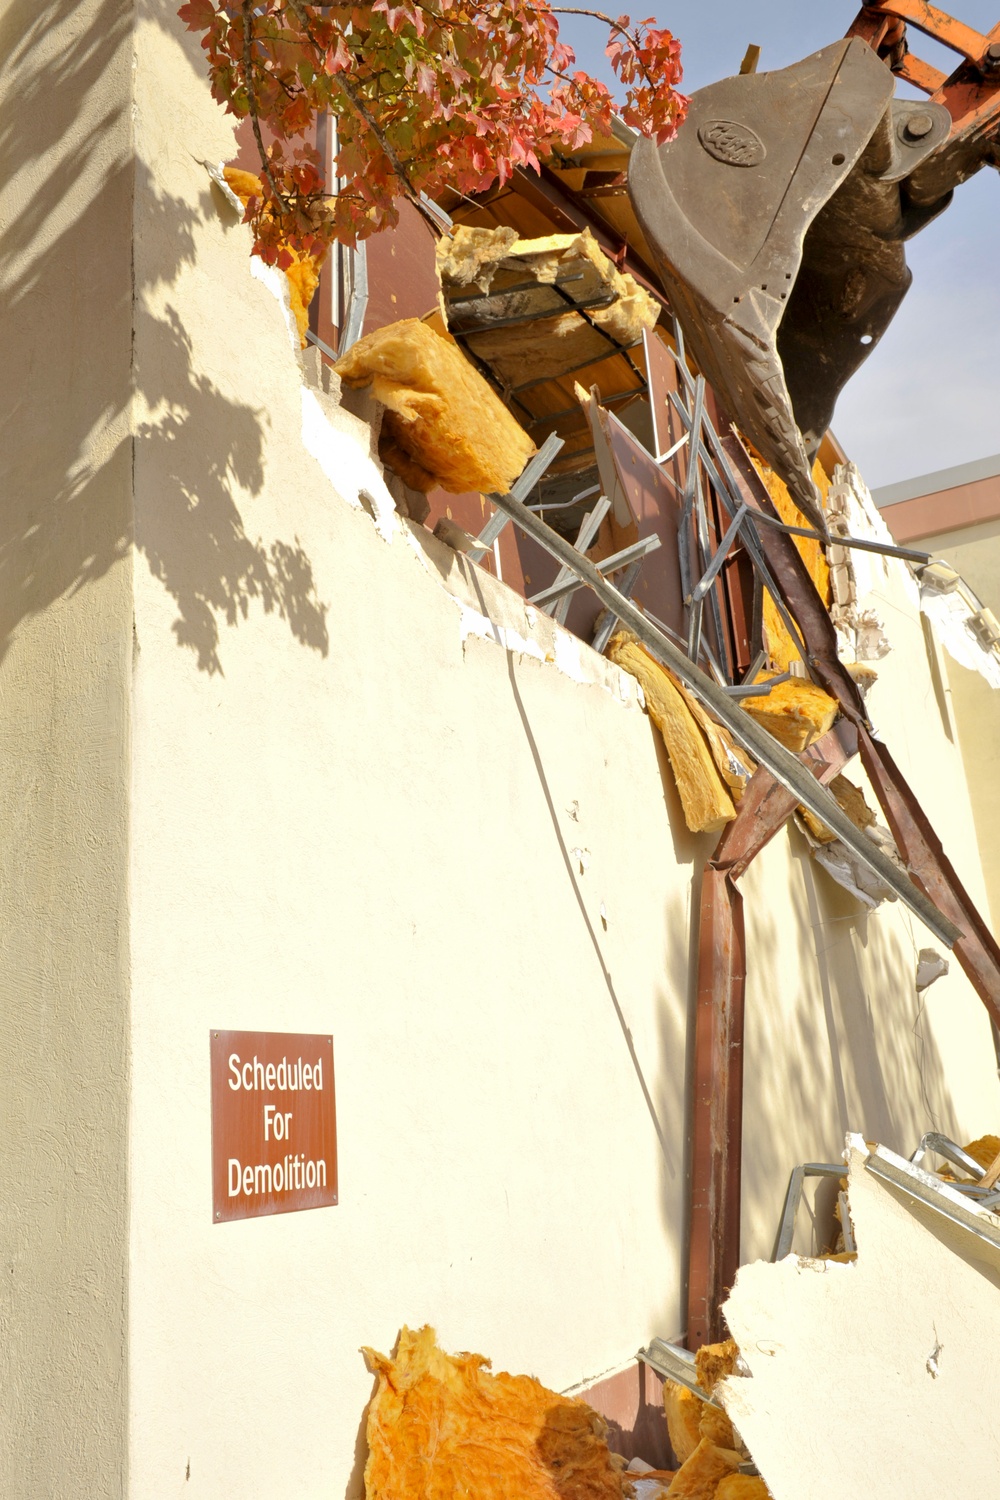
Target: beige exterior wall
column 355, row 812
column 65, row 627
column 829, row 982
column 855, row 1370
column 975, row 552
column 349, row 784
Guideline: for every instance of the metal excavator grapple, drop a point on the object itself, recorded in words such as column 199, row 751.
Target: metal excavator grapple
column 779, row 213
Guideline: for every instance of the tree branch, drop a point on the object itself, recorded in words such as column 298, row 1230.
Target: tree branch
column 361, row 109
column 253, row 107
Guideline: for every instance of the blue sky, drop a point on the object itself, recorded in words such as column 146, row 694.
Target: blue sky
column 928, row 397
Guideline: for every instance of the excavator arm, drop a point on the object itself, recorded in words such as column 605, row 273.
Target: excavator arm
column 779, row 214
column 970, row 94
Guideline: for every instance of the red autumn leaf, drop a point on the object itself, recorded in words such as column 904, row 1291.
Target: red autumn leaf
column 197, row 15
column 426, row 94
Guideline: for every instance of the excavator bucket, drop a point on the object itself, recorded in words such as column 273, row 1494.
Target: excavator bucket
column 777, row 218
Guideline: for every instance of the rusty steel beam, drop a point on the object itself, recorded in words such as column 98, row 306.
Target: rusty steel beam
column 717, row 1107
column 766, row 805
column 717, row 1124
column 929, row 867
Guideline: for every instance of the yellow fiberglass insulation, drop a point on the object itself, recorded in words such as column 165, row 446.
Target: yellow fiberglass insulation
column 683, row 1409
column 441, row 1426
column 852, row 799
column 303, row 274
column 699, row 1476
column 732, row 762
column 717, row 1428
column 742, row 1487
column 704, row 795
column 528, row 344
column 443, row 425
column 985, row 1150
column 781, row 649
column 795, row 712
column 714, row 1362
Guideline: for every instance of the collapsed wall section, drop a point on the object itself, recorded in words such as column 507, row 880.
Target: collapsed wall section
column 376, row 794
column 371, row 793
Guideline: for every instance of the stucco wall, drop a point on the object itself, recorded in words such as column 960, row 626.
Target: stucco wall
column 65, row 644
column 369, row 794
column 975, row 552
column 859, row 1048
column 350, row 818
column 855, row 1370
column 354, row 813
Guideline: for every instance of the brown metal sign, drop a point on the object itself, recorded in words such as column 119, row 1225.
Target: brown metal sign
column 274, row 1123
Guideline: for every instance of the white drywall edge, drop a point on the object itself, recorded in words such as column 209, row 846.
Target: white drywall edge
column 871, row 1378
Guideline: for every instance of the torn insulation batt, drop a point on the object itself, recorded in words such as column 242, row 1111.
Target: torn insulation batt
column 704, row 795
column 441, row 1426
column 443, row 425
column 532, row 287
column 795, row 712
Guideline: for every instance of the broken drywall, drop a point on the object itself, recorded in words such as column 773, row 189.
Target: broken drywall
column 955, row 620
column 854, row 573
column 865, row 1376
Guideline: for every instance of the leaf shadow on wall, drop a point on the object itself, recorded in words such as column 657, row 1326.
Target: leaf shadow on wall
column 69, row 304
column 835, row 1040
column 194, row 538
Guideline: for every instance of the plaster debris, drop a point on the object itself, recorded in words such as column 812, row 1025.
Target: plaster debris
column 853, row 512
column 855, row 574
column 277, row 284
column 566, row 652
column 893, row 1357
column 346, row 465
column 930, row 966
column 442, row 1425
column 217, row 172
column 454, row 536
column 443, row 425
column 853, row 874
column 954, row 616
column 704, row 796
column 870, row 640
